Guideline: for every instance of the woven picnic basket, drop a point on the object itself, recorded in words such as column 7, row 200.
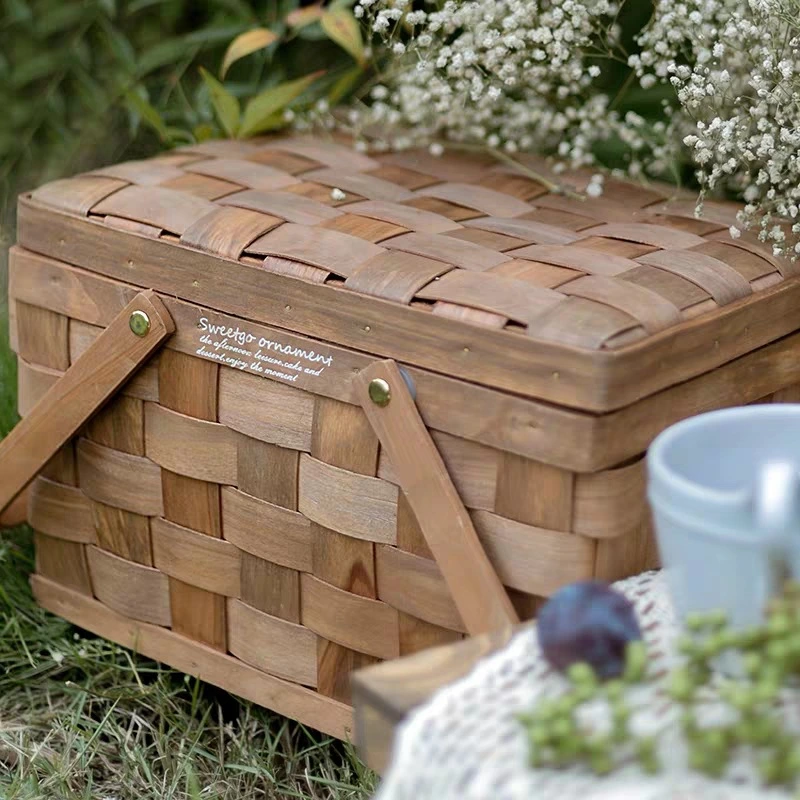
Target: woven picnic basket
column 356, row 405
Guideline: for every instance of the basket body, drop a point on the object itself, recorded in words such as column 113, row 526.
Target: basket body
column 231, row 513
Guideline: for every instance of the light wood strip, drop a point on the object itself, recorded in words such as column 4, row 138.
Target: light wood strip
column 185, row 655
column 415, row 585
column 647, row 233
column 266, row 410
column 266, row 530
column 610, row 503
column 63, row 562
column 273, row 645
column 357, row 183
column 451, row 251
column 33, row 381
column 629, row 554
column 270, row 587
column 404, row 216
column 480, row 598
column 344, row 501
column 119, row 425
column 169, row 209
column 192, row 447
column 60, row 511
column 331, row 250
column 291, row 207
column 489, row 201
column 228, row 230
column 42, row 336
column 245, row 173
column 145, row 172
column 534, row 560
column 268, row 472
column 119, row 479
column 123, row 533
column 77, row 195
column 137, row 591
column 471, row 466
column 536, row 232
column 395, row 275
column 16, row 513
column 535, row 493
column 195, row 558
column 368, row 626
column 584, row 259
column 143, row 385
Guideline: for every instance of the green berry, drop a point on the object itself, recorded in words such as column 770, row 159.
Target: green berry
column 695, row 621
column 615, row 689
column 647, row 755
column 681, row 686
column 581, row 674
column 635, row 661
column 779, row 623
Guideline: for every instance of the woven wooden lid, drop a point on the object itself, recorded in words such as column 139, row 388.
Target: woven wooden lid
column 453, row 263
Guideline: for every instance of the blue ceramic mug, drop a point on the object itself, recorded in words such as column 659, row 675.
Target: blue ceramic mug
column 724, row 488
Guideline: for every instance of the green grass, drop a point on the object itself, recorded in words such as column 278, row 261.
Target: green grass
column 83, row 718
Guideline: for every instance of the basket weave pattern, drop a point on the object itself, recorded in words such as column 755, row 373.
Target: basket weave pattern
column 251, row 531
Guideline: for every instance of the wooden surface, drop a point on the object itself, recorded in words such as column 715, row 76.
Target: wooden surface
column 385, row 694
column 78, row 394
column 478, row 594
column 461, row 270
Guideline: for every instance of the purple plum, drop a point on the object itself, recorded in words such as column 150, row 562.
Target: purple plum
column 588, row 622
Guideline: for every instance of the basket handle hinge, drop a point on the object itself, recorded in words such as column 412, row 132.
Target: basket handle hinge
column 383, row 391
column 109, row 361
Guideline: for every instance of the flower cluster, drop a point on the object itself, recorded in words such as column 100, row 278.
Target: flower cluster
column 517, row 76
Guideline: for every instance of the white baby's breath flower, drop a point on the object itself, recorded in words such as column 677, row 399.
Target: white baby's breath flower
column 734, row 232
column 337, row 194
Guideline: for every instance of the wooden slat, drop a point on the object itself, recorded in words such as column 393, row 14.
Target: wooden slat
column 358, row 623
column 119, row 425
column 137, row 591
column 186, row 655
column 82, row 390
column 265, row 530
column 189, row 446
column 535, row 493
column 610, row 503
column 273, row 645
column 472, row 467
column 415, row 585
column 43, row 336
column 63, row 562
column 478, row 594
column 205, row 562
column 344, row 501
column 16, row 513
column 534, row 560
column 33, row 381
column 123, row 533
column 120, row 479
column 268, row 472
column 266, row 410
column 188, row 386
column 270, row 587
column 60, row 511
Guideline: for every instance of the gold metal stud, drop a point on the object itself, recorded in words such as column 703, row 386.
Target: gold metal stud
column 380, row 392
column 139, row 323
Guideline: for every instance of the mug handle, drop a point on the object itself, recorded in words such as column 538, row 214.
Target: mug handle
column 776, row 514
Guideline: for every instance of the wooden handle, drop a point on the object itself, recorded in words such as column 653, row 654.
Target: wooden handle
column 16, row 513
column 477, row 591
column 113, row 357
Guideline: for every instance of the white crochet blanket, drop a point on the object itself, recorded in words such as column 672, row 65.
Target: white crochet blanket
column 466, row 744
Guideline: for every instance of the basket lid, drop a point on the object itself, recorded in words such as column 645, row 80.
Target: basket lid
column 456, row 263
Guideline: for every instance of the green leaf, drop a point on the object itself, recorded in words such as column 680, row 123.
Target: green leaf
column 343, row 28
column 140, row 106
column 245, row 44
column 345, row 85
column 260, row 113
column 225, row 104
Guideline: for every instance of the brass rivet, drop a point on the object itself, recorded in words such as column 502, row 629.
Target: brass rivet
column 139, row 323
column 379, row 392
